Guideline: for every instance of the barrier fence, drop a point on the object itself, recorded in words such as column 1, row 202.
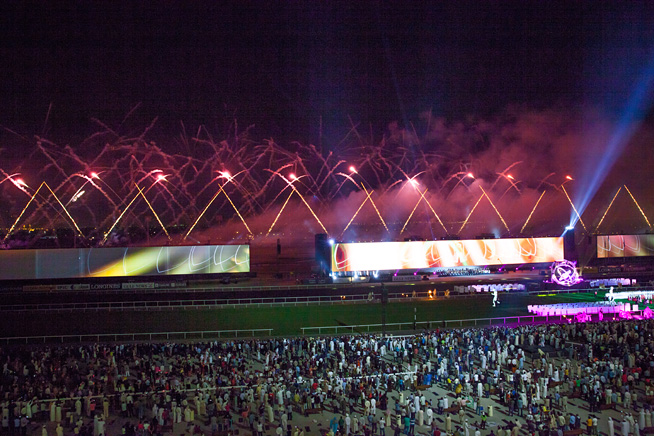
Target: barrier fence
column 150, row 337
column 213, row 303
column 429, row 325
column 190, row 304
column 319, row 330
column 267, row 288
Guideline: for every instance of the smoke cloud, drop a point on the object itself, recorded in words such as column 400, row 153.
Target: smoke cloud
column 418, row 180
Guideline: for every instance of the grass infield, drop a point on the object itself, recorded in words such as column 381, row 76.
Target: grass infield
column 284, row 320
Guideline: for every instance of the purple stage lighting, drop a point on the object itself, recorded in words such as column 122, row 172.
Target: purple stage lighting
column 565, row 273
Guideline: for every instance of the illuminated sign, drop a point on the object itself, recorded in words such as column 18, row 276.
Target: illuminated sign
column 380, row 256
column 123, row 262
column 565, row 273
column 625, row 245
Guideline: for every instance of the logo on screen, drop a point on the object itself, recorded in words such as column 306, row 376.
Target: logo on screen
column 565, row 273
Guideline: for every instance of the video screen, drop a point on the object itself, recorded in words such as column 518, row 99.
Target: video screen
column 123, row 261
column 381, row 256
column 625, row 245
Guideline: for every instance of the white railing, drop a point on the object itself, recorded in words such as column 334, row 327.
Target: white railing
column 359, row 328
column 429, row 325
column 237, row 302
column 156, row 336
column 188, row 304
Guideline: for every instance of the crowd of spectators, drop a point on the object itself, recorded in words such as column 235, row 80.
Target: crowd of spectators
column 369, row 383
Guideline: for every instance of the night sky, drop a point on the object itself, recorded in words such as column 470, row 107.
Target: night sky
column 435, row 90
column 283, row 66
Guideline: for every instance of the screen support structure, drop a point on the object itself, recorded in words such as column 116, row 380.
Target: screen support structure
column 384, row 302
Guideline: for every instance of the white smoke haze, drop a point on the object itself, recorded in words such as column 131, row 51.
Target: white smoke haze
column 513, row 157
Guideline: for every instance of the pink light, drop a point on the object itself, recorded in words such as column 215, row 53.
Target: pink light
column 565, row 273
column 569, row 177
column 510, row 177
column 623, row 314
column 470, row 175
column 19, row 182
column 94, row 175
column 161, row 177
column 292, row 176
column 414, row 182
column 352, row 169
column 225, row 174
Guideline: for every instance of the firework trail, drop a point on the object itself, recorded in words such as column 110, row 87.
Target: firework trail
column 448, row 162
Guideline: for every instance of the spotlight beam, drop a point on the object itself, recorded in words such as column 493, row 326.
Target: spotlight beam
column 633, row 114
column 574, row 208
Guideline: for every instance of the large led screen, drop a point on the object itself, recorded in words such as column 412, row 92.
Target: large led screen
column 123, row 262
column 625, row 245
column 381, row 256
